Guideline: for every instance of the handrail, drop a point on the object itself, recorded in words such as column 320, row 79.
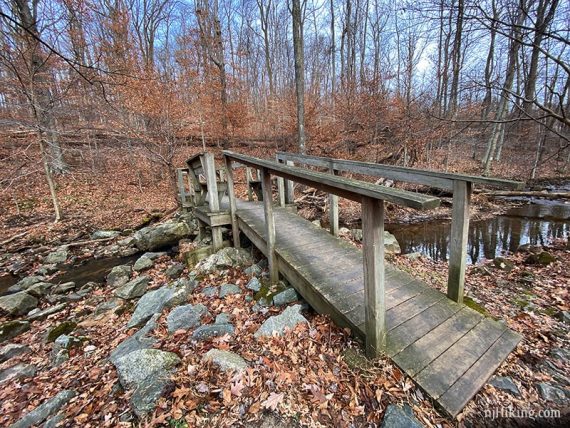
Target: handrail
column 345, row 187
column 372, row 198
column 413, row 175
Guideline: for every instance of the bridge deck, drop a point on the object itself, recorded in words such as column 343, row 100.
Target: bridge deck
column 448, row 349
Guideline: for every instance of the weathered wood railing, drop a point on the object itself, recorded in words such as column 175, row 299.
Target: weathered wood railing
column 371, row 197
column 460, row 184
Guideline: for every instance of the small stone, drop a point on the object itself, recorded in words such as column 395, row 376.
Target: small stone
column 65, row 327
column 27, row 282
column 185, row 317
column 210, row 292
column 222, row 318
column 13, row 350
column 289, row 319
column 105, row 234
column 18, row 303
column 118, row 276
column 19, row 371
column 400, row 417
column 110, row 305
column 229, row 289
column 209, row 331
column 506, row 384
column 285, row 297
column 253, row 284
column 564, row 316
column 126, row 242
column 317, row 223
column 45, row 410
column 143, row 263
column 133, row 289
column 63, row 288
column 57, row 257
column 65, row 341
column 11, row 329
column 175, row 270
column 59, row 356
column 89, row 349
column 552, row 393
column 253, row 270
column 226, row 360
column 503, row 264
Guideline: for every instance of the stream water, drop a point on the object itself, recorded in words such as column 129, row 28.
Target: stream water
column 536, row 223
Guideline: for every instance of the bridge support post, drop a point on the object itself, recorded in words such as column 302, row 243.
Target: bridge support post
column 374, row 295
column 270, row 225
column 458, row 240
column 333, row 208
column 232, row 198
column 213, row 202
column 289, row 194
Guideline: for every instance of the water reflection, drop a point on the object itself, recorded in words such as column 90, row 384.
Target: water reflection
column 534, row 224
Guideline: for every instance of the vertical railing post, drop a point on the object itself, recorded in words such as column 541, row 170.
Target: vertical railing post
column 333, row 207
column 232, row 198
column 280, row 187
column 249, row 179
column 374, row 296
column 269, row 225
column 289, row 195
column 213, row 202
column 181, row 189
column 458, row 241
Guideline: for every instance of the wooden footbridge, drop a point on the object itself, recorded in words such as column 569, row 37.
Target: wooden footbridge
column 447, row 348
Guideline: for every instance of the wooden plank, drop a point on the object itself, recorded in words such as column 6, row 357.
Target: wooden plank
column 269, row 225
column 289, row 188
column 281, row 191
column 374, row 300
column 446, row 369
column 410, row 308
column 413, row 175
column 459, row 394
column 345, row 187
column 458, row 240
column 232, row 200
column 420, row 353
column 211, row 182
column 221, row 218
column 421, row 324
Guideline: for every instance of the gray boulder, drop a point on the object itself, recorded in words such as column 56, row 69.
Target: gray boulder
column 185, row 317
column 25, row 283
column 210, row 291
column 506, row 384
column 63, row 288
column 553, row 393
column 119, row 275
column 133, row 289
column 253, row 270
column 45, row 410
column 206, row 332
column 285, row 297
column 39, row 289
column 19, row 371
column 222, row 318
column 143, row 263
column 224, row 259
column 147, row 372
column 400, row 417
column 37, row 314
column 289, row 319
column 105, row 234
column 226, row 360
column 18, row 303
column 11, row 329
column 161, row 235
column 228, row 290
column 175, row 270
column 12, row 350
column 155, row 301
column 56, row 257
column 139, row 340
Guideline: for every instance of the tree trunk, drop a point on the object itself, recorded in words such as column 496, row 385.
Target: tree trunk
column 299, row 73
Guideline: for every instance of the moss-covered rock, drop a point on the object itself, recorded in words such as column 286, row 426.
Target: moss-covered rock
column 544, row 258
column 11, row 329
column 65, row 327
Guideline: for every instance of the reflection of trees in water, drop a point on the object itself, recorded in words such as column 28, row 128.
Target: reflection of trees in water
column 487, row 239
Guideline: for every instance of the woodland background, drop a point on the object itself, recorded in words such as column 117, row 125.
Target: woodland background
column 131, row 87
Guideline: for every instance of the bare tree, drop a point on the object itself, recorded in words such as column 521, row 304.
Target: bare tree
column 298, row 48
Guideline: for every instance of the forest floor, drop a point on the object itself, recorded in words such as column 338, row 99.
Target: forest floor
column 314, row 376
